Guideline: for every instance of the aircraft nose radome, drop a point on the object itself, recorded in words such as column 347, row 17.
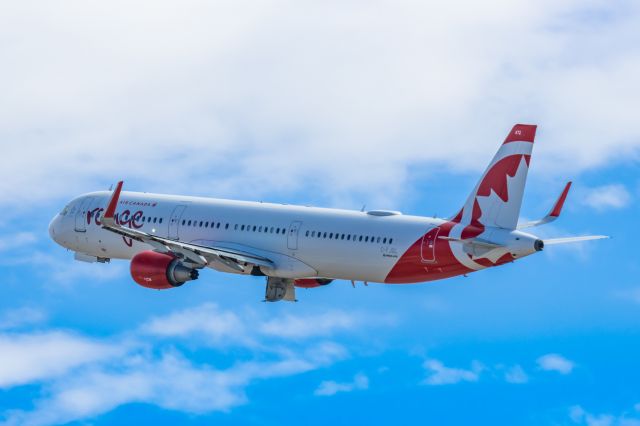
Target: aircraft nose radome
column 52, row 228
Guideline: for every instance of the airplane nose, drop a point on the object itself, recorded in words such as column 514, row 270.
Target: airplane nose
column 52, row 228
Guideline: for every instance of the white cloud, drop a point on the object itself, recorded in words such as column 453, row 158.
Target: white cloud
column 439, row 374
column 207, row 320
column 516, row 374
column 59, row 266
column 579, row 415
column 170, row 382
column 223, row 93
column 305, row 326
column 80, row 378
column 555, row 362
column 19, row 317
column 28, row 358
column 608, row 197
column 220, row 326
column 18, row 240
column 330, row 387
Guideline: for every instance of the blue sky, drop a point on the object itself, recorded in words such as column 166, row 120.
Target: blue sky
column 396, row 105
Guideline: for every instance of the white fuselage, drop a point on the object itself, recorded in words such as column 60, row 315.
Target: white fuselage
column 302, row 241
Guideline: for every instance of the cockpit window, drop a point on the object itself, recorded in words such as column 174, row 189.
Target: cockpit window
column 65, row 210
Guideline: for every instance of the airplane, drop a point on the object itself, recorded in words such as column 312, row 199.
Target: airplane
column 169, row 238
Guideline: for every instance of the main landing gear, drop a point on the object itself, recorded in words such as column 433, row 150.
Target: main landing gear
column 280, row 289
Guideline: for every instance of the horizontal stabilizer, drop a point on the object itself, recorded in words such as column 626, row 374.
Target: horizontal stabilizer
column 479, row 248
column 474, row 241
column 567, row 240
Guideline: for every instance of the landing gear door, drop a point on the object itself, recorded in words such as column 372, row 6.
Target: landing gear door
column 82, row 215
column 292, row 237
column 429, row 245
column 174, row 222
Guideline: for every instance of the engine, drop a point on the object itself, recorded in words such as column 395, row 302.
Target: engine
column 160, row 271
column 311, row 282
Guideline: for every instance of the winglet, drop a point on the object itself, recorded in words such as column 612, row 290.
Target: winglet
column 113, row 203
column 557, row 208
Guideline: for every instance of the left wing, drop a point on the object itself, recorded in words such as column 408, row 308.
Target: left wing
column 200, row 256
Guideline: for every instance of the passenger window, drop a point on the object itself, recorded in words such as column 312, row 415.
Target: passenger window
column 342, row 237
column 324, row 235
column 226, row 226
column 155, row 219
column 235, row 227
column 242, row 228
column 254, row 228
column 218, row 225
column 160, row 220
column 390, row 240
column 201, row 223
column 306, row 234
column 183, row 222
column 378, row 240
column 384, row 241
column 348, row 237
column 260, row 229
column 189, row 223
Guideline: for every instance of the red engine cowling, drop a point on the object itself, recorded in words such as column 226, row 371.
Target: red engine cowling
column 311, row 282
column 160, row 271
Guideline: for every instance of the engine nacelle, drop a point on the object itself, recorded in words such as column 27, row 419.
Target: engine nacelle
column 311, row 282
column 160, row 271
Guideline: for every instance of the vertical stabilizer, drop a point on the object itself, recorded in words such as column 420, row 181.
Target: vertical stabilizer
column 497, row 198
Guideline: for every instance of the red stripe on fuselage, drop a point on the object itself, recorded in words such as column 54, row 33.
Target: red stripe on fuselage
column 411, row 268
